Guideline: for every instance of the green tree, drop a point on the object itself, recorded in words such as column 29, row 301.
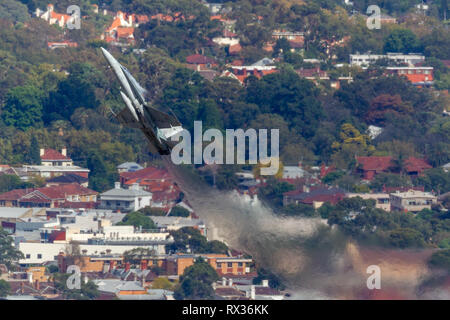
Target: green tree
column 441, row 259
column 178, row 211
column 10, row 182
column 9, row 255
column 286, row 94
column 274, row 280
column 34, row 154
column 137, row 220
column 4, row 288
column 281, row 46
column 196, row 282
column 190, row 239
column 23, row 107
column 88, row 291
column 299, row 210
column 162, row 283
column 273, row 191
column 100, row 177
column 14, row 11
column 149, row 211
column 406, row 237
column 78, row 90
column 401, row 40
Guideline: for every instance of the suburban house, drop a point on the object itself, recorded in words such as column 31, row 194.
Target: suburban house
column 67, row 179
column 242, row 72
column 446, row 167
column 288, row 35
column 51, row 157
column 129, row 167
column 228, row 38
column 61, row 44
column 148, row 174
column 420, row 76
column 223, row 264
column 165, row 192
column 412, row 201
column 315, row 197
column 415, row 167
column 49, row 197
column 201, row 61
column 52, row 17
column 368, row 167
column 53, row 164
column 131, row 199
column 382, row 200
column 121, row 30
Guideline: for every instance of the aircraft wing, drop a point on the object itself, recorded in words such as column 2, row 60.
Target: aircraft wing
column 162, row 119
column 127, row 119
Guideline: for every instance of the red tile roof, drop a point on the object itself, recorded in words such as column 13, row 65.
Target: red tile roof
column 416, row 165
column 199, row 59
column 123, row 32
column 52, row 154
column 14, row 194
column 60, row 16
column 331, row 198
column 65, row 190
column 149, row 173
column 313, row 72
column 235, row 48
column 375, row 163
column 47, row 193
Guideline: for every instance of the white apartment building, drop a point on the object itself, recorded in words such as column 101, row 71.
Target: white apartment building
column 412, row 200
column 364, row 60
column 38, row 253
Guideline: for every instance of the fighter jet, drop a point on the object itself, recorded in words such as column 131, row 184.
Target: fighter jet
column 157, row 125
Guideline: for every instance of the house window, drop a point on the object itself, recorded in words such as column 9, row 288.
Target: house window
column 240, row 264
column 27, row 256
column 230, row 264
column 219, row 265
column 39, row 256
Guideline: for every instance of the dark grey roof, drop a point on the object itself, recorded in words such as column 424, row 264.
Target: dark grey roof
column 69, row 178
column 317, row 192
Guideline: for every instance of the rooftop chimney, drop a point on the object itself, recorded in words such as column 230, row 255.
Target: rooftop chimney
column 134, row 186
column 224, row 281
column 41, row 152
column 30, row 277
column 64, row 151
column 265, row 283
column 230, row 282
column 116, row 185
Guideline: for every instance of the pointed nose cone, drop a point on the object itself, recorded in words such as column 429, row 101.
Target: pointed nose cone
column 108, row 56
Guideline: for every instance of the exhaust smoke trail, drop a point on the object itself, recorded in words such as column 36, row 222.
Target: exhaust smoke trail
column 313, row 260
